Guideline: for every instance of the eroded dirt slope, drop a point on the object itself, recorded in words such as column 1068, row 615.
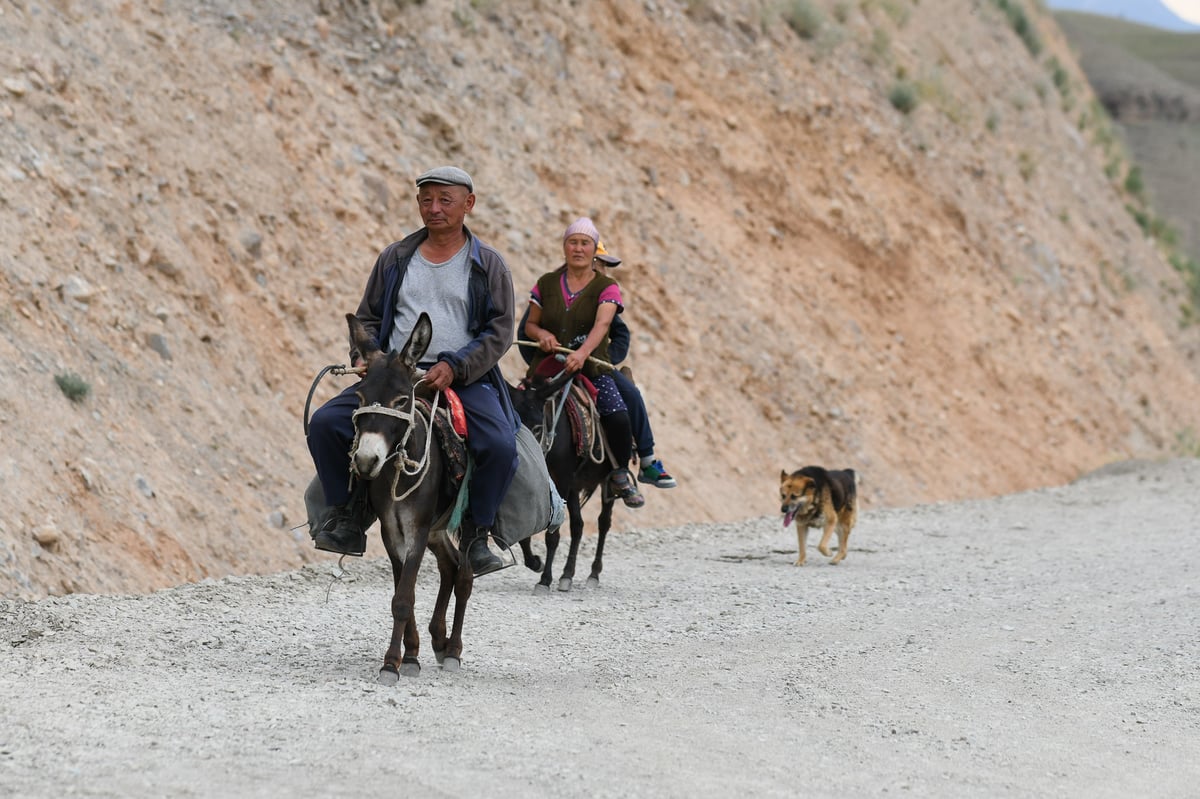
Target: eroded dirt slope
column 954, row 302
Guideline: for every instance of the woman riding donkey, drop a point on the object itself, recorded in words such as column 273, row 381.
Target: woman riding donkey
column 573, row 307
column 651, row 469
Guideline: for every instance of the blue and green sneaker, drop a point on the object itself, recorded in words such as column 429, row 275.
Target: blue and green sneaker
column 656, row 475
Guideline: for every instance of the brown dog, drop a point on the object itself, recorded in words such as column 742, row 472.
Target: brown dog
column 814, row 497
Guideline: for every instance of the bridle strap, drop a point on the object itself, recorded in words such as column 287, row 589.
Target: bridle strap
column 406, row 466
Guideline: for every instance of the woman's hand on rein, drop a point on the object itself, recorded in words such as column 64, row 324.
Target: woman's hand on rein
column 575, row 362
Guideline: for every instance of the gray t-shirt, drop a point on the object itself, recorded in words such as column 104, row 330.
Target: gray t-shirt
column 439, row 290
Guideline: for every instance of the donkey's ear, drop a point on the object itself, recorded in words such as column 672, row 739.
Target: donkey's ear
column 362, row 341
column 418, row 341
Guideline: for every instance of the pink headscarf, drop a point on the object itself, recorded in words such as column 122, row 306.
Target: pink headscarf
column 584, row 226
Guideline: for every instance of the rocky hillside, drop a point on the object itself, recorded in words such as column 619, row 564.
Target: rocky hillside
column 951, row 300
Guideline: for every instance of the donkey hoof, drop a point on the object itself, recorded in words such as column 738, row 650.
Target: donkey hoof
column 593, row 582
column 410, row 669
column 439, row 655
column 564, row 584
column 388, row 676
column 451, row 664
column 541, row 590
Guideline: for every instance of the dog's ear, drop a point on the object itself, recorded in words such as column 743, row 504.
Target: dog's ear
column 782, row 475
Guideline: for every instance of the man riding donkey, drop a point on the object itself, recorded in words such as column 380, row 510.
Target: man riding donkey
column 465, row 286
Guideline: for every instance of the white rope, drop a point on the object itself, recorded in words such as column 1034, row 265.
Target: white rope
column 406, row 465
column 597, row 452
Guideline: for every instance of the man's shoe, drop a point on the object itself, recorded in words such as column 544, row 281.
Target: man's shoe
column 483, row 560
column 342, row 533
column 656, row 475
column 622, row 486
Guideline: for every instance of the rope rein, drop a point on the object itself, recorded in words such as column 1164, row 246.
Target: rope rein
column 551, row 429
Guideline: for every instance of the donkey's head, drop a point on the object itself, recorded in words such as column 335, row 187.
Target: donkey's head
column 529, row 398
column 548, row 379
column 386, row 395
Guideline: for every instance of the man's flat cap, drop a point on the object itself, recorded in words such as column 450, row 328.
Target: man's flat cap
column 447, row 176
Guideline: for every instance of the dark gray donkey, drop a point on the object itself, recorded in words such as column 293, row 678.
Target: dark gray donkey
column 576, row 475
column 395, row 451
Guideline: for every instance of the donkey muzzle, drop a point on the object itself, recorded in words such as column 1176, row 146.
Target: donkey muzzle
column 368, row 458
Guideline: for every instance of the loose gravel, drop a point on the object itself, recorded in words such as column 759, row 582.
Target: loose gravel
column 1041, row 644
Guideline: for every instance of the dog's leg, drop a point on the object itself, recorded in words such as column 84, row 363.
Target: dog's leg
column 802, row 540
column 823, row 548
column 843, row 529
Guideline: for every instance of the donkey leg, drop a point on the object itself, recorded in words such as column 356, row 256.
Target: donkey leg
column 410, row 664
column 464, row 583
column 603, row 523
column 390, row 672
column 576, row 513
column 447, row 569
column 532, row 561
column 401, row 656
column 543, row 585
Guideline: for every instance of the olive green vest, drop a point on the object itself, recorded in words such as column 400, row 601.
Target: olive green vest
column 577, row 321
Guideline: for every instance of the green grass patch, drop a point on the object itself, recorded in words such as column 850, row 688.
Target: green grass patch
column 1133, row 182
column 1189, row 270
column 904, row 97
column 1062, row 82
column 1060, row 76
column 896, row 10
column 1187, row 443
column 1021, row 24
column 1154, row 226
column 881, row 46
column 1026, row 165
column 804, row 18
column 1103, row 134
column 1141, row 217
column 73, row 387
column 932, row 89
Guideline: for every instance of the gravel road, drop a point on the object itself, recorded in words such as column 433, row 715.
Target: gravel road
column 1041, row 644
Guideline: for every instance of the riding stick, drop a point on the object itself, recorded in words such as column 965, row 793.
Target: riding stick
column 598, row 363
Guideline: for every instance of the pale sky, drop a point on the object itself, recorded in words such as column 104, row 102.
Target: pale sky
column 1185, row 9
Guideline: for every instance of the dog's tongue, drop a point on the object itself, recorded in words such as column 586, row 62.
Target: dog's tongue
column 787, row 518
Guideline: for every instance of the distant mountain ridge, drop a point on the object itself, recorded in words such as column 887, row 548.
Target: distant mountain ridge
column 1149, row 81
column 1143, row 12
